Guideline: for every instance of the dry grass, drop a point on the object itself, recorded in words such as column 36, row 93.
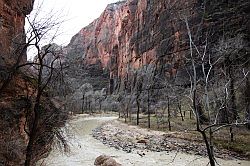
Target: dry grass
column 187, row 130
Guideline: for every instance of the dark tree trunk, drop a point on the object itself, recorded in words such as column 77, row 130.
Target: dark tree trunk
column 231, row 134
column 179, row 107
column 247, row 102
column 223, row 112
column 130, row 115
column 82, row 103
column 139, row 89
column 211, row 138
column 223, row 115
column 33, row 131
column 169, row 115
column 86, row 104
column 148, row 101
column 248, row 115
column 89, row 106
column 202, row 132
column 231, row 91
column 209, row 150
column 138, row 111
column 100, row 105
column 125, row 115
column 111, row 86
column 33, row 128
column 232, row 102
column 127, row 112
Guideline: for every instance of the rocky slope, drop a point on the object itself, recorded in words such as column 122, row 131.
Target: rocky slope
column 134, row 33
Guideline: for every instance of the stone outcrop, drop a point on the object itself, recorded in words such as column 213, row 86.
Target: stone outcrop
column 104, row 160
column 18, row 91
column 12, row 20
column 134, row 33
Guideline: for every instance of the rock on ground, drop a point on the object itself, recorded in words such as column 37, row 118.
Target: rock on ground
column 104, row 160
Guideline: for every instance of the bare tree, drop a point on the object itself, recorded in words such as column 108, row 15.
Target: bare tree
column 41, row 85
column 199, row 92
column 46, row 62
column 85, row 89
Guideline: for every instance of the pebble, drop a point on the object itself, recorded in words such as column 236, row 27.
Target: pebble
column 121, row 138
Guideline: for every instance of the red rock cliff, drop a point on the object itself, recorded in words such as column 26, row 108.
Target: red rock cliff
column 12, row 20
column 131, row 34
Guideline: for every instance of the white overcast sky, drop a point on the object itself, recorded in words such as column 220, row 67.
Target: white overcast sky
column 77, row 13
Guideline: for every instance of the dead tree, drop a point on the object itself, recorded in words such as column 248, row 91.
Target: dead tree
column 41, row 85
column 138, row 93
column 200, row 56
column 44, row 71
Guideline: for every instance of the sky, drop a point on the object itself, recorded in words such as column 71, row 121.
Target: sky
column 75, row 13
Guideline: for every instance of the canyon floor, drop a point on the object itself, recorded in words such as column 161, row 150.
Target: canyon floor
column 130, row 146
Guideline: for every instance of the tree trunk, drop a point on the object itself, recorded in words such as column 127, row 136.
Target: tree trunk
column 203, row 133
column 223, row 112
column 231, row 92
column 211, row 138
column 179, row 106
column 127, row 111
column 232, row 102
column 169, row 115
column 82, row 103
column 130, row 115
column 231, row 134
column 86, row 104
column 149, row 125
column 209, row 151
column 247, row 102
column 32, row 136
column 33, row 129
column 125, row 117
column 248, row 115
column 100, row 105
column 89, row 106
column 138, row 111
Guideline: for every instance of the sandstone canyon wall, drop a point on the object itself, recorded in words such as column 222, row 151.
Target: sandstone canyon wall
column 12, row 20
column 134, row 33
column 17, row 98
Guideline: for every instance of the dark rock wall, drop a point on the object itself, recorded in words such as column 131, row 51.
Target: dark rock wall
column 17, row 98
column 131, row 34
column 12, row 20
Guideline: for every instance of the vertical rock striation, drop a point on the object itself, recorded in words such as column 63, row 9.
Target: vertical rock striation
column 134, row 33
column 12, row 20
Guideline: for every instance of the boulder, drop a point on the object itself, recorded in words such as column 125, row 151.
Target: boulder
column 104, row 160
